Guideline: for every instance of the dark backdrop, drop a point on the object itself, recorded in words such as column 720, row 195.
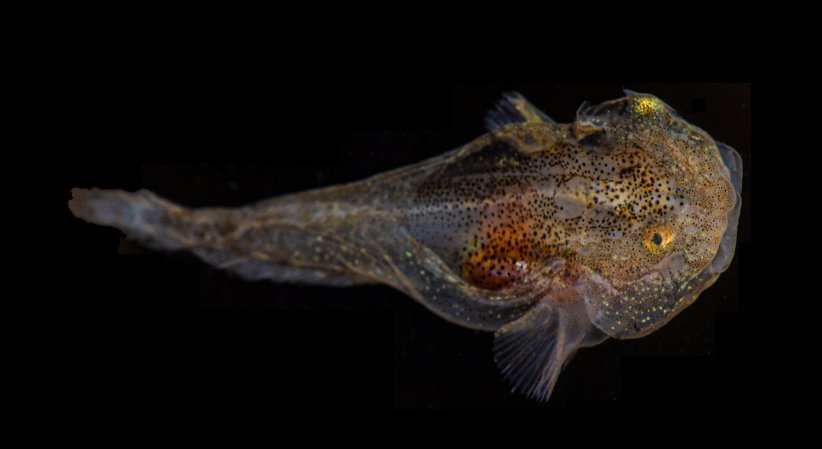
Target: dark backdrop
column 167, row 326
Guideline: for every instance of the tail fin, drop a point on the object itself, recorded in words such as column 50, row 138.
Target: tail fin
column 141, row 215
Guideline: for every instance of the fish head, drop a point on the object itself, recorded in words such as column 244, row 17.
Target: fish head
column 677, row 214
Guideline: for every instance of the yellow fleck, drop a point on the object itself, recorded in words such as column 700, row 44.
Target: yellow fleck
column 259, row 255
column 645, row 105
column 507, row 162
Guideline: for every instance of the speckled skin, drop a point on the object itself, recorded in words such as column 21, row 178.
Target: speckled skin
column 555, row 236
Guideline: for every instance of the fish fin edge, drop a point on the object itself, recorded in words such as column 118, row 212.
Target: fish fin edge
column 513, row 108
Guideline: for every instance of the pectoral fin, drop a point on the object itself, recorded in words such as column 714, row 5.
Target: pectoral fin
column 532, row 351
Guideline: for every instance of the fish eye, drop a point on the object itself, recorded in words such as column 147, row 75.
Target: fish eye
column 657, row 239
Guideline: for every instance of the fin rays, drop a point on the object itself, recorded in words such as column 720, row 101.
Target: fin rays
column 532, row 351
column 514, row 108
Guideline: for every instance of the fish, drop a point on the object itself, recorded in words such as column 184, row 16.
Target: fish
column 553, row 236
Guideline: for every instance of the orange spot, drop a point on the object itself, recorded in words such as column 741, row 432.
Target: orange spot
column 505, row 256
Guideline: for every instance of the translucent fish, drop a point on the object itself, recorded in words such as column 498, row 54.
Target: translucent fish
column 553, row 236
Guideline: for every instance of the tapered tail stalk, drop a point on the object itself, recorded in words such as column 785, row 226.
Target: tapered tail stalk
column 292, row 240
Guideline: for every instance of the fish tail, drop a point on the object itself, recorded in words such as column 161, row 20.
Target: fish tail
column 141, row 215
column 284, row 241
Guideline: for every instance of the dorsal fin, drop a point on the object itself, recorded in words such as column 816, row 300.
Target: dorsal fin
column 514, row 108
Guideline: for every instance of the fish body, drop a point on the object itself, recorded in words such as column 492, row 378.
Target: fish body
column 553, row 236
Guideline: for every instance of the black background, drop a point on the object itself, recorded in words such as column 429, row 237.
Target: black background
column 164, row 325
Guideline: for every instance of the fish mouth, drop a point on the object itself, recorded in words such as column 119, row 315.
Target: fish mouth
column 725, row 253
column 733, row 162
column 727, row 247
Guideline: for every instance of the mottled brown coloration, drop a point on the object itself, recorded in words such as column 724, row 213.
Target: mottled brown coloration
column 555, row 236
